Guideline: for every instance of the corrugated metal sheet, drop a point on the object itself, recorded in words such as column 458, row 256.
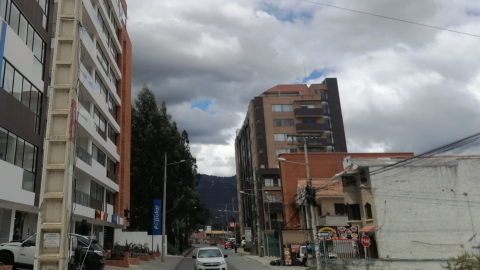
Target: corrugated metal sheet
column 295, row 237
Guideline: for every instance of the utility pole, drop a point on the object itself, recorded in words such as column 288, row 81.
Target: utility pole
column 257, row 214
column 226, row 218
column 54, row 218
column 234, row 221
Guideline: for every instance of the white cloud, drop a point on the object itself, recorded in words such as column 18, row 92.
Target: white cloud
column 403, row 87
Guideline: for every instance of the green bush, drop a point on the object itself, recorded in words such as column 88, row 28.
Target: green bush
column 172, row 250
column 466, row 261
column 247, row 249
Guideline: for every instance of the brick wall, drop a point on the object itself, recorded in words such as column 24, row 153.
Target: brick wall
column 124, row 116
column 322, row 165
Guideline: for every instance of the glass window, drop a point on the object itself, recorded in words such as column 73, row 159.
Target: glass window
column 35, row 99
column 287, row 108
column 17, row 86
column 98, row 155
column 368, row 211
column 112, row 135
column 103, row 123
column 268, row 182
column 282, row 108
column 3, row 143
column 28, row 181
column 271, row 198
column 22, row 32
column 309, row 121
column 280, row 137
column 110, row 197
column 14, row 18
column 19, row 152
column 309, row 106
column 26, row 93
column 37, row 46
column 8, row 78
column 28, row 157
column 3, row 8
column 30, row 37
column 11, row 144
column 283, row 122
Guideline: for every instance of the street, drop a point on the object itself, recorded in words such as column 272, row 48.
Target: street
column 234, row 261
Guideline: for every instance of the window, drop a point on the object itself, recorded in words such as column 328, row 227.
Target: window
column 29, row 157
column 17, row 85
column 112, row 135
column 44, row 5
column 349, row 181
column 112, row 107
column 102, row 59
column 368, row 211
column 98, row 155
column 363, row 177
column 100, row 122
column 282, row 108
column 309, row 121
column 32, row 240
column 283, row 122
column 339, row 208
column 3, row 143
column 269, row 182
column 22, row 30
column 14, row 18
column 325, row 107
column 96, row 196
column 309, row 106
column 287, row 150
column 280, row 137
column 353, row 212
column 11, row 146
column 103, row 88
column 110, row 169
column 19, row 152
column 109, row 197
column 271, row 198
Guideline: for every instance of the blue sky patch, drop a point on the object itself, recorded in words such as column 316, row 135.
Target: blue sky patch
column 203, row 105
column 315, row 74
column 286, row 15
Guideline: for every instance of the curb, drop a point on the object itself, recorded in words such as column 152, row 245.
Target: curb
column 186, row 253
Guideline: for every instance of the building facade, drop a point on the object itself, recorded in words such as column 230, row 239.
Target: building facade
column 419, row 212
column 271, row 118
column 101, row 183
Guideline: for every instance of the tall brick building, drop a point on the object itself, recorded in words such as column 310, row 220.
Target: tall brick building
column 282, row 110
column 102, row 168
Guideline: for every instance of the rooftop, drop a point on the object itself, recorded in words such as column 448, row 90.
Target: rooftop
column 300, row 89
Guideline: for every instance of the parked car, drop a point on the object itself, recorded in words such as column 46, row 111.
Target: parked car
column 83, row 254
column 213, row 243
column 243, row 243
column 209, row 258
column 228, row 245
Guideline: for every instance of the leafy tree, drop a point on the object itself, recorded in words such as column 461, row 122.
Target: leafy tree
column 466, row 261
column 154, row 133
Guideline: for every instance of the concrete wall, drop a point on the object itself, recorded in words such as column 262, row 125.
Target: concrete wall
column 422, row 212
column 11, row 185
column 5, row 228
column 138, row 238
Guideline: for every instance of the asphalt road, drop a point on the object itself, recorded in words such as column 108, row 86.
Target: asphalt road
column 234, row 261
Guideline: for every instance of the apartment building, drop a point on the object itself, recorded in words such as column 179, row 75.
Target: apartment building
column 272, row 116
column 101, row 182
column 25, row 39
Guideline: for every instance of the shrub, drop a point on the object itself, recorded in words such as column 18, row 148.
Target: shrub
column 466, row 261
column 172, row 250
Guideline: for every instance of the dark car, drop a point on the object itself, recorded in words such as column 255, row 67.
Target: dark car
column 213, row 243
column 87, row 255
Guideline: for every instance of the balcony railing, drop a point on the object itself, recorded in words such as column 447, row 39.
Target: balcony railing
column 312, row 127
column 306, row 112
column 84, row 155
column 82, row 198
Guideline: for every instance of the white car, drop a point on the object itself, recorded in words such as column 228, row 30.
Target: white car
column 243, row 243
column 209, row 258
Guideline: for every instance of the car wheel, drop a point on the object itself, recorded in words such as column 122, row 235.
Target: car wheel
column 6, row 258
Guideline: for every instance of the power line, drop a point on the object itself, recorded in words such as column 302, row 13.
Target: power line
column 391, row 18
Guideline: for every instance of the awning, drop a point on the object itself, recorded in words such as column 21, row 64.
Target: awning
column 348, row 171
column 367, row 229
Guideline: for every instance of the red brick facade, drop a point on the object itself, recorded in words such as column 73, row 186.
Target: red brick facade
column 124, row 116
column 322, row 165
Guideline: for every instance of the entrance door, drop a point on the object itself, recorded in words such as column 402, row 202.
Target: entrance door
column 27, row 250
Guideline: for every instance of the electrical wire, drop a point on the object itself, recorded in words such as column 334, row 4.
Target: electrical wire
column 391, row 18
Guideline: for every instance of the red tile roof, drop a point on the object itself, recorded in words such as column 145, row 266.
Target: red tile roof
column 324, row 186
column 289, row 88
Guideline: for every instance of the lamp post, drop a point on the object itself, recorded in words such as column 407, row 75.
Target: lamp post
column 269, row 217
column 313, row 220
column 164, row 212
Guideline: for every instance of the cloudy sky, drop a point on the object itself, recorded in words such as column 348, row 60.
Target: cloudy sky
column 403, row 87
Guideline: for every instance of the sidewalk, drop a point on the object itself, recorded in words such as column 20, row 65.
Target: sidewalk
column 265, row 261
column 170, row 263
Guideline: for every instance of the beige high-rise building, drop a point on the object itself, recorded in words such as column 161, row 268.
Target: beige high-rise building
column 280, row 111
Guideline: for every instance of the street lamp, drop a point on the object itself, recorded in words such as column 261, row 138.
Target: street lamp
column 164, row 212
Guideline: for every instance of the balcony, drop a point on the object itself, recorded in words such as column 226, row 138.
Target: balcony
column 333, row 220
column 316, row 142
column 274, row 206
column 306, row 112
column 84, row 155
column 312, row 127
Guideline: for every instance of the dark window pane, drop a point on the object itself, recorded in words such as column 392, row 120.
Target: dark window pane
column 3, row 143
column 35, row 99
column 8, row 78
column 30, row 37
column 11, row 145
column 26, row 93
column 28, row 157
column 3, row 72
column 14, row 18
column 17, row 86
column 37, row 46
column 28, row 182
column 3, row 8
column 22, row 32
column 19, row 152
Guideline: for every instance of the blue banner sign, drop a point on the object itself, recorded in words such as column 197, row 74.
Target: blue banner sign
column 157, row 217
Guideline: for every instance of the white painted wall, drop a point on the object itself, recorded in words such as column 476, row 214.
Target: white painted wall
column 11, row 185
column 138, row 238
column 21, row 57
column 84, row 211
column 422, row 212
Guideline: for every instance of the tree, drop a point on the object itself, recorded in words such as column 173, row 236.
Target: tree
column 466, row 261
column 153, row 134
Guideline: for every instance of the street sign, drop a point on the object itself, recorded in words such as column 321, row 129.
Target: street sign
column 366, row 241
column 248, row 235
